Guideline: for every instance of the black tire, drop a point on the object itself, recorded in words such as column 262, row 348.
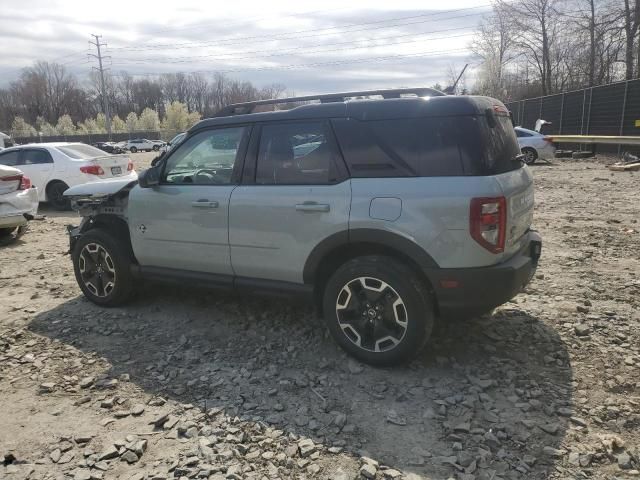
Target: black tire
column 133, row 149
column 368, row 320
column 530, row 155
column 156, row 148
column 55, row 195
column 111, row 265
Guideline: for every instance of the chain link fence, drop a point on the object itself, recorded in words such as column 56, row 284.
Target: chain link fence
column 611, row 109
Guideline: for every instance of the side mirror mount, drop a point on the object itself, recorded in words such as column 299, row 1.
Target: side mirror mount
column 149, row 177
column 156, row 161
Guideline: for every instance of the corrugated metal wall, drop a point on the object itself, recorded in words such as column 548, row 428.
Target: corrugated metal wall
column 604, row 110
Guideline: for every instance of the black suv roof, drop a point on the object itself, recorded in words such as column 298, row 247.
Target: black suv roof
column 394, row 104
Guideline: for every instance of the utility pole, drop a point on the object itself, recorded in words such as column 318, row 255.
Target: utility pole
column 105, row 100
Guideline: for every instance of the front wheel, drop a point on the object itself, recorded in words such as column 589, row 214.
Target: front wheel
column 156, row 148
column 102, row 268
column 133, row 149
column 378, row 310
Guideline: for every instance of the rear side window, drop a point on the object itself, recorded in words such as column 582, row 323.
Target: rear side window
column 36, row 157
column 409, row 147
column 295, row 154
column 520, row 134
column 10, row 159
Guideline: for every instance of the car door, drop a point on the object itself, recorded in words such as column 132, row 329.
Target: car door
column 182, row 223
column 37, row 164
column 294, row 194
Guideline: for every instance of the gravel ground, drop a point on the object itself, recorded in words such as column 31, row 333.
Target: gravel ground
column 186, row 383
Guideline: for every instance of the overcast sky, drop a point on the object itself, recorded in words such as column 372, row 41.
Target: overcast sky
column 310, row 47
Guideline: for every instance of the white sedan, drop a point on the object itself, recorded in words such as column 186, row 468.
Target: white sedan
column 54, row 167
column 534, row 145
column 18, row 202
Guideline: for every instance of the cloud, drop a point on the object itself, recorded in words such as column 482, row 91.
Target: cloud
column 334, row 48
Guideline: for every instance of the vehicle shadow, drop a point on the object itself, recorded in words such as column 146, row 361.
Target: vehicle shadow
column 485, row 398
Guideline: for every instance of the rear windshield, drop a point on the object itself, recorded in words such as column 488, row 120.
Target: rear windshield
column 81, row 151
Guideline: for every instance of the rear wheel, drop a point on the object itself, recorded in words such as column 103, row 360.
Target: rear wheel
column 378, row 310
column 55, row 191
column 530, row 155
column 102, row 268
column 133, row 149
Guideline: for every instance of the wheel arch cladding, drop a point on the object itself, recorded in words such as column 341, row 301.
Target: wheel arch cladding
column 114, row 225
column 338, row 248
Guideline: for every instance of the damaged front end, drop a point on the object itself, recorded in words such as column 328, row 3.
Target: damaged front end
column 99, row 204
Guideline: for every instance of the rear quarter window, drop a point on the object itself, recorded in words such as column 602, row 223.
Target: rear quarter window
column 408, row 147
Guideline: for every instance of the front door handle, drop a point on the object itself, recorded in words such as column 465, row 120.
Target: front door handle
column 312, row 207
column 204, row 204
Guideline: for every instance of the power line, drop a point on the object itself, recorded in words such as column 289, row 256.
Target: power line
column 278, row 36
column 138, row 61
column 247, row 21
column 308, row 65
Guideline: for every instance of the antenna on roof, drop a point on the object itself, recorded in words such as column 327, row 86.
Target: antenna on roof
column 452, row 89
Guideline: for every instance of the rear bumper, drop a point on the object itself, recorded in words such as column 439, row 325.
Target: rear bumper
column 18, row 207
column 473, row 291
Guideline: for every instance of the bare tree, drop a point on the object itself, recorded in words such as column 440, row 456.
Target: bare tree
column 631, row 16
column 494, row 44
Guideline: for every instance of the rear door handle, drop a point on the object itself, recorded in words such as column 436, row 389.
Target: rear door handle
column 312, row 207
column 204, row 204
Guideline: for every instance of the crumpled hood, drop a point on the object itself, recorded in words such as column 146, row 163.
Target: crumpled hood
column 100, row 189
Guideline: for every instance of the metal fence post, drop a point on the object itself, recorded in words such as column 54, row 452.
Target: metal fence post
column 584, row 102
column 561, row 114
column 540, row 111
column 589, row 112
column 624, row 112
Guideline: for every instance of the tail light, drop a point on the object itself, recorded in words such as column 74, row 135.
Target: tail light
column 17, row 179
column 130, row 166
column 548, row 139
column 25, row 184
column 488, row 222
column 92, row 169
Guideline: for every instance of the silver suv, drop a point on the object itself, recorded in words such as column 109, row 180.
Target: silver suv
column 389, row 212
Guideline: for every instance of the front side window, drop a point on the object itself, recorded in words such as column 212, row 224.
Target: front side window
column 294, row 154
column 207, row 158
column 10, row 159
column 36, row 157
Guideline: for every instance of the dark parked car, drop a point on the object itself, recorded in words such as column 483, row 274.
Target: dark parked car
column 109, row 147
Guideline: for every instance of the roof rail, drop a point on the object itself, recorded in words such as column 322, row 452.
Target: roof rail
column 248, row 107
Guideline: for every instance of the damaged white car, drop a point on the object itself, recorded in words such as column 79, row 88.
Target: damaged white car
column 18, row 203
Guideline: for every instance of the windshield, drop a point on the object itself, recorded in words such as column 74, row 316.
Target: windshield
column 81, row 151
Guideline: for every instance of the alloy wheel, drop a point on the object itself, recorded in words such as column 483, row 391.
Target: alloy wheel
column 97, row 269
column 371, row 314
